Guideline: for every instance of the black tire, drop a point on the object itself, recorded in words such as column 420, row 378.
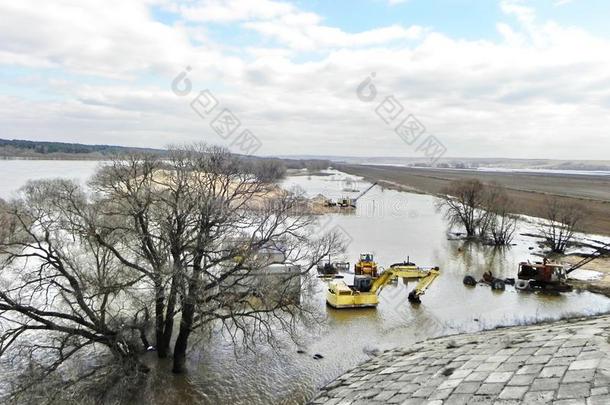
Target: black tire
column 498, row 284
column 413, row 298
column 470, row 281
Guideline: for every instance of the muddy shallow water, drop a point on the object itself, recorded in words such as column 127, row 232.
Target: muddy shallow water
column 392, row 225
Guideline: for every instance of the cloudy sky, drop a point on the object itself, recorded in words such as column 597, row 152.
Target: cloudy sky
column 506, row 78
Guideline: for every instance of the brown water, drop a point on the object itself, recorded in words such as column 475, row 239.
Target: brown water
column 392, row 225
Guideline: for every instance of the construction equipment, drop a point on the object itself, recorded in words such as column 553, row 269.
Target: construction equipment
column 366, row 265
column 346, row 202
column 549, row 276
column 365, row 290
column 544, row 275
column 331, row 269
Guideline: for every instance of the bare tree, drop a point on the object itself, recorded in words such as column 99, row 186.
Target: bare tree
column 499, row 223
column 483, row 210
column 150, row 221
column 562, row 221
column 268, row 170
column 463, row 202
column 179, row 219
column 193, row 237
column 61, row 294
column 233, row 215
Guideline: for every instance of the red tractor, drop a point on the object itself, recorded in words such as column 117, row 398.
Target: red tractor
column 542, row 276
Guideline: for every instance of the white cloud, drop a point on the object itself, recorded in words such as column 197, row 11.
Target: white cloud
column 314, row 37
column 524, row 14
column 290, row 26
column 529, row 94
column 235, row 10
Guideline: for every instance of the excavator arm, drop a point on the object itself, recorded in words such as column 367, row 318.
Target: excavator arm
column 599, row 252
column 381, row 281
column 365, row 191
column 425, row 276
column 422, row 286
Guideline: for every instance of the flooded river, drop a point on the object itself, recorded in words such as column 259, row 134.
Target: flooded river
column 392, row 225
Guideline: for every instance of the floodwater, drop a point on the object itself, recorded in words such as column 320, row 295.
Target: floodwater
column 393, row 226
column 15, row 173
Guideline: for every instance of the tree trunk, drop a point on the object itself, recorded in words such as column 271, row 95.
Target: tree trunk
column 169, row 314
column 186, row 321
column 182, row 341
column 162, row 345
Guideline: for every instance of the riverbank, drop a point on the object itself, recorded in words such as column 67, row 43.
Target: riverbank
column 598, row 285
column 529, row 190
column 564, row 362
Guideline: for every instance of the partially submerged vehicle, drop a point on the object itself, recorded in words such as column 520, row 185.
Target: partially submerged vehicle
column 542, row 276
column 332, row 269
column 365, row 290
column 348, row 202
column 545, row 276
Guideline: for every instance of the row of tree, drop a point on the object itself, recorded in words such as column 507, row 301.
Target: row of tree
column 486, row 212
column 41, row 147
column 154, row 249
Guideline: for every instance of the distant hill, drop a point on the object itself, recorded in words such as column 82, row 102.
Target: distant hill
column 17, row 148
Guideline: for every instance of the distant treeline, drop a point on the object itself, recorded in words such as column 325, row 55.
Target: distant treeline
column 269, row 169
column 309, row 164
column 60, row 150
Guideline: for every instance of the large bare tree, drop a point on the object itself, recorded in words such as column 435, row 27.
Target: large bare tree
column 195, row 224
column 62, row 295
column 195, row 238
column 483, row 210
column 463, row 203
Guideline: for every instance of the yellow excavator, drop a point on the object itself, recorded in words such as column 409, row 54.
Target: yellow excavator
column 364, row 292
column 366, row 265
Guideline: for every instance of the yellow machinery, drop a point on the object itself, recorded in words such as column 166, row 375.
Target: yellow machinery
column 366, row 265
column 364, row 292
column 347, row 202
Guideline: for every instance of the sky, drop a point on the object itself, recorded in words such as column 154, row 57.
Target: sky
column 481, row 78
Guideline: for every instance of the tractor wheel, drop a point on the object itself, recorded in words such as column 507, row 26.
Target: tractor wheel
column 414, row 298
column 470, row 281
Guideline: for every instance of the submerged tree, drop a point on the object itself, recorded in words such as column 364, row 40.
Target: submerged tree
column 562, row 220
column 195, row 224
column 62, row 295
column 483, row 210
column 462, row 203
column 500, row 223
column 195, row 238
